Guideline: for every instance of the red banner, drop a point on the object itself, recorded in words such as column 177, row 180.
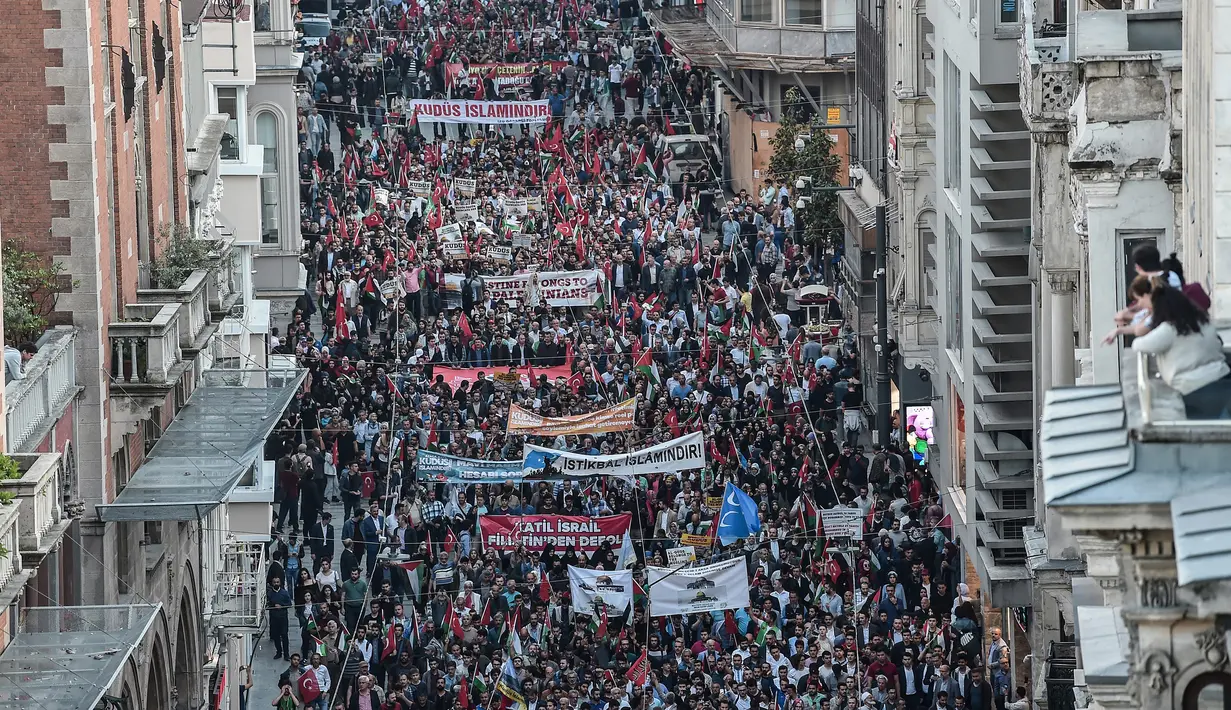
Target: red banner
column 456, row 73
column 506, row 532
column 454, row 376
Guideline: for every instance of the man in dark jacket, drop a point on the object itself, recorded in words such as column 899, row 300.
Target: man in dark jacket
column 320, row 539
column 280, row 603
column 978, row 691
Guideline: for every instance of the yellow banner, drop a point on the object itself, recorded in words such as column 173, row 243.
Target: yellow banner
column 696, row 540
column 713, row 502
column 617, row 418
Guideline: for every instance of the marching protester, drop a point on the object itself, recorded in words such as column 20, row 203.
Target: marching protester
column 587, row 455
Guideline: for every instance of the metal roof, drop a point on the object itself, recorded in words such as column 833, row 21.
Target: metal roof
column 218, row 435
column 1201, row 523
column 67, row 658
column 1084, row 439
column 696, row 41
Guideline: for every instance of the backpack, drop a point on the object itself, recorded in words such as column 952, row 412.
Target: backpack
column 1196, row 293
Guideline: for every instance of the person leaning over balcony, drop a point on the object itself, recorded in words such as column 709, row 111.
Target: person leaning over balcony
column 1188, row 349
column 15, row 359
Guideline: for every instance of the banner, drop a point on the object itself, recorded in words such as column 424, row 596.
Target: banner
column 464, row 186
column 453, row 292
column 500, row 253
column 557, row 288
column 449, row 232
column 455, row 376
column 842, row 522
column 444, row 468
column 677, row 556
column 617, row 418
column 590, row 587
column 682, row 454
column 466, row 211
column 505, row 75
column 696, row 541
column 422, row 188
column 522, row 241
column 492, row 112
column 535, row 203
column 569, row 288
column 517, row 206
column 535, row 532
column 698, row 589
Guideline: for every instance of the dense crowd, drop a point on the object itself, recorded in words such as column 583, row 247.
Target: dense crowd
column 400, row 604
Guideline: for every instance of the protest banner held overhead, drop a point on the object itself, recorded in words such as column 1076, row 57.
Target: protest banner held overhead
column 698, row 589
column 443, row 468
column 682, row 454
column 589, row 587
column 617, row 418
column 535, row 532
column 492, row 112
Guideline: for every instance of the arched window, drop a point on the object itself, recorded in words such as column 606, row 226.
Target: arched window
column 271, row 191
column 1208, row 691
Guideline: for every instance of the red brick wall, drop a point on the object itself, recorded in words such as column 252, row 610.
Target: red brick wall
column 26, row 208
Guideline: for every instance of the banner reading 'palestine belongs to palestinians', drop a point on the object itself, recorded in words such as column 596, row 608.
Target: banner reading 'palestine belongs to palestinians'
column 617, row 418
column 464, row 111
column 506, row 532
column 682, row 454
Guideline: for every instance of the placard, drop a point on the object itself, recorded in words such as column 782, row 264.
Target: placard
column 453, row 293
column 590, row 587
column 695, row 541
column 517, row 206
column 464, row 186
column 500, row 253
column 534, row 203
column 449, row 232
column 523, row 240
column 713, row 502
column 381, row 196
column 466, row 211
column 389, row 288
column 454, row 250
column 677, row 556
column 698, row 589
column 422, row 188
column 842, row 522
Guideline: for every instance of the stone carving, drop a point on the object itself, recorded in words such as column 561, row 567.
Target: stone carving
column 1158, row 592
column 1213, row 646
column 1157, row 674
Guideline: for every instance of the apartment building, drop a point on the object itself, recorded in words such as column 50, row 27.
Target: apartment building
column 1131, row 562
column 103, row 541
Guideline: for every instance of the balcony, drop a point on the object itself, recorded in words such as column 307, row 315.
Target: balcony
column 239, row 590
column 1048, row 77
column 164, row 332
column 40, row 490
column 36, row 402
column 13, row 571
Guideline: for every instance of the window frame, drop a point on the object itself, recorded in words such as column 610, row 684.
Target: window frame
column 821, row 17
column 955, row 285
column 241, row 127
column 771, row 4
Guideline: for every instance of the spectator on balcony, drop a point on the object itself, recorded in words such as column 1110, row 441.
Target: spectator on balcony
column 15, row 359
column 1189, row 352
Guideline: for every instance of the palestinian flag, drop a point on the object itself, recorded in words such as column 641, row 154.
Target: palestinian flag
column 598, row 623
column 871, row 602
column 596, row 24
column 649, row 368
column 320, row 647
column 809, row 516
column 311, row 619
column 642, row 165
column 762, row 632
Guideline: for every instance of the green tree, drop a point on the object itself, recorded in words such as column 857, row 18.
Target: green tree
column 819, row 217
column 30, row 290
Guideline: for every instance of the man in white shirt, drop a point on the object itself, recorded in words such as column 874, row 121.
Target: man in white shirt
column 323, row 683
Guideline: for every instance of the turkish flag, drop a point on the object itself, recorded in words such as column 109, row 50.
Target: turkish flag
column 368, row 487
column 309, row 689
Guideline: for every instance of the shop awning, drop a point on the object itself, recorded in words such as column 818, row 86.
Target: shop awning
column 215, row 439
column 67, row 658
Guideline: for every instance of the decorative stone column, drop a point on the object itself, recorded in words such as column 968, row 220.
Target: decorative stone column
column 1062, row 286
column 1103, row 566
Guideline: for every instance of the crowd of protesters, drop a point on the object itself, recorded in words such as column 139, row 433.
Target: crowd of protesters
column 398, row 604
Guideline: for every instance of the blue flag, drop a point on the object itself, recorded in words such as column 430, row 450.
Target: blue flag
column 738, row 516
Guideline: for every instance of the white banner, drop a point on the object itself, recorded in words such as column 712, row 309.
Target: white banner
column 523, row 240
column 463, row 111
column 506, row 288
column 590, row 587
column 517, row 206
column 454, row 250
column 422, row 188
column 466, row 211
column 535, row 203
column 677, row 556
column 698, row 589
column 449, row 232
column 682, row 454
column 500, row 253
column 842, row 522
column 464, row 186
column 557, row 288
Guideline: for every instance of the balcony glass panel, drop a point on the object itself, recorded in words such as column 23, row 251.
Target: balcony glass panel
column 756, row 11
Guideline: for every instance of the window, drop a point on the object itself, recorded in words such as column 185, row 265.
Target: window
column 955, row 286
column 263, row 22
column 927, row 239
column 228, row 100
column 1009, row 13
column 805, row 12
column 1129, row 243
column 756, row 11
column 267, row 136
column 953, row 125
column 1208, row 691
